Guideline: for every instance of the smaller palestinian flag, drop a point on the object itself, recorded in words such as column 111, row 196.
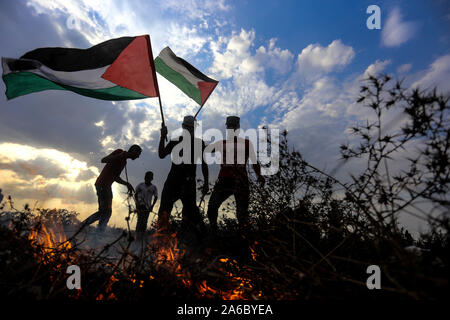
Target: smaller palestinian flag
column 185, row 76
column 117, row 69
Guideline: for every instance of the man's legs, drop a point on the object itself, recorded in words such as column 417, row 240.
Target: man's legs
column 169, row 195
column 92, row 218
column 104, row 195
column 220, row 193
column 191, row 213
column 141, row 225
column 242, row 197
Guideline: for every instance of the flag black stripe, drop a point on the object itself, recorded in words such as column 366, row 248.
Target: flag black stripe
column 16, row 65
column 197, row 73
column 71, row 59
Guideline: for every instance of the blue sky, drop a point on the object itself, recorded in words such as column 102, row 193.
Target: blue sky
column 294, row 65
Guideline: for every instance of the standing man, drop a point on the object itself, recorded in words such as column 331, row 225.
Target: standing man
column 146, row 196
column 233, row 178
column 115, row 162
column 187, row 151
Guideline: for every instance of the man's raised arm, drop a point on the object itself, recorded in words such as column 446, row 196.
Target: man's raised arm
column 163, row 150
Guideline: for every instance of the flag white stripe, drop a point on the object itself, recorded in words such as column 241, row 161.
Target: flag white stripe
column 168, row 57
column 86, row 79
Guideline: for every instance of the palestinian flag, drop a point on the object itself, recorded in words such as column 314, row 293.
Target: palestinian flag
column 185, row 76
column 117, row 69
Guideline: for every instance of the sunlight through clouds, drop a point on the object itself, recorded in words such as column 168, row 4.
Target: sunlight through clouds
column 306, row 84
column 45, row 175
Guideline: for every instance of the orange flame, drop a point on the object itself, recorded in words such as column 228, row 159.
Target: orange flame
column 51, row 237
column 109, row 295
column 242, row 285
column 169, row 256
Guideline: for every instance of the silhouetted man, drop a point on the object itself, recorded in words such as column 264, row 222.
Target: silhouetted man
column 233, row 178
column 115, row 162
column 186, row 151
column 146, row 196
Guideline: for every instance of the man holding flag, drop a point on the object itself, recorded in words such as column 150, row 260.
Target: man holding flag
column 180, row 182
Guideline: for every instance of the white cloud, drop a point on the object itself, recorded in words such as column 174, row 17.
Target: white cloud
column 315, row 60
column 437, row 75
column 195, row 9
column 375, row 68
column 242, row 71
column 80, row 16
column 353, row 87
column 318, row 120
column 232, row 56
column 98, row 21
column 241, row 96
column 396, row 32
column 185, row 41
column 315, row 121
column 274, row 57
column 404, row 68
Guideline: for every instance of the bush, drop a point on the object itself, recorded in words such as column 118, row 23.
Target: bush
column 311, row 236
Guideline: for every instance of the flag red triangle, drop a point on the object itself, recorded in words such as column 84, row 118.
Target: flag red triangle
column 134, row 68
column 206, row 88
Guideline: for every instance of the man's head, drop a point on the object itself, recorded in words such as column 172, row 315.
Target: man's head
column 233, row 122
column 148, row 177
column 134, row 151
column 189, row 124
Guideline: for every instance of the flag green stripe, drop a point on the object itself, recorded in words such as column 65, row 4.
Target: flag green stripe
column 21, row 83
column 177, row 79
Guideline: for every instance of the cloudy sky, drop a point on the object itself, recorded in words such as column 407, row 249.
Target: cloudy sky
column 293, row 65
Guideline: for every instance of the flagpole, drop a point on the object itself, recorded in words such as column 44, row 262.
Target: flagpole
column 160, row 109
column 195, row 117
column 152, row 64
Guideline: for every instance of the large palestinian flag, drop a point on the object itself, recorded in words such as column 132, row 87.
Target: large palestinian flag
column 185, row 76
column 117, row 69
